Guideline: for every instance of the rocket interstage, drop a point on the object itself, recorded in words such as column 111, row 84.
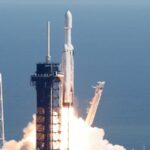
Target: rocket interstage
column 68, row 63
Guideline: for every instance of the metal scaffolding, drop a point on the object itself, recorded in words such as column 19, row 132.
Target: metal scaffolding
column 48, row 120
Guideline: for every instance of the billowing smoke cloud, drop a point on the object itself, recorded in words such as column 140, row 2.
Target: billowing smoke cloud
column 28, row 140
column 89, row 138
column 84, row 138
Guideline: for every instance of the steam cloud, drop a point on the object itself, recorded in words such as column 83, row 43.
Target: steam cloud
column 28, row 140
column 87, row 138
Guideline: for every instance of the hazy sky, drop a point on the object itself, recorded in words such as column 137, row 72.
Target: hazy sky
column 85, row 2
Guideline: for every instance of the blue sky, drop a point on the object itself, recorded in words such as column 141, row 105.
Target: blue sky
column 119, row 54
column 85, row 2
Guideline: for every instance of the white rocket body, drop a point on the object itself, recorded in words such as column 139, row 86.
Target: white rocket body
column 68, row 63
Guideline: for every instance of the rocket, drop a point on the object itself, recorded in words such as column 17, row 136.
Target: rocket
column 68, row 63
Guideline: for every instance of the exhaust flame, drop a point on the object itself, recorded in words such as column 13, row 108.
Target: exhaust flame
column 78, row 136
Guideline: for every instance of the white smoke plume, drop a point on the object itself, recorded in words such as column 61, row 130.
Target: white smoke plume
column 28, row 140
column 85, row 138
column 90, row 138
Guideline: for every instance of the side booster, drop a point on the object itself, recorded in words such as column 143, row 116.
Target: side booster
column 68, row 63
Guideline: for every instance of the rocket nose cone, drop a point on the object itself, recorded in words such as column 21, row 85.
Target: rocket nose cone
column 68, row 13
column 68, row 19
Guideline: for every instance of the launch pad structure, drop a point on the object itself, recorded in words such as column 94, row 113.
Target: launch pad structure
column 54, row 91
column 47, row 86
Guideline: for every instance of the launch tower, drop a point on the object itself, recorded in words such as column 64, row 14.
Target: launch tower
column 47, row 86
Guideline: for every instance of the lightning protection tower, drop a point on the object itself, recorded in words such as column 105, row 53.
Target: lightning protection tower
column 2, row 133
